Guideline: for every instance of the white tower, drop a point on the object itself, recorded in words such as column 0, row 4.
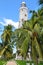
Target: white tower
column 23, row 15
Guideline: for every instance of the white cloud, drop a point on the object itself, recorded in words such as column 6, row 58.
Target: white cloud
column 9, row 21
column 2, row 23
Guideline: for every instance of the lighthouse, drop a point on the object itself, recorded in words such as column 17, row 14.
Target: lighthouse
column 23, row 14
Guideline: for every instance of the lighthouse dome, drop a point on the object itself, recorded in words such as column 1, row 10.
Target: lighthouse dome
column 23, row 4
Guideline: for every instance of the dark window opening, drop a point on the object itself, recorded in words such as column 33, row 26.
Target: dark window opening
column 22, row 9
column 22, row 19
column 25, row 15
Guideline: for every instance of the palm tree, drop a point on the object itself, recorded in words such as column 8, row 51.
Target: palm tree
column 6, row 38
column 40, row 1
column 27, row 35
column 8, row 52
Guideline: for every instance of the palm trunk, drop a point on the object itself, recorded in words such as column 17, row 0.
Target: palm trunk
column 38, row 49
column 34, row 58
column 3, row 50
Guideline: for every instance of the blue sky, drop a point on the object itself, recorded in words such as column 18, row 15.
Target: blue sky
column 9, row 11
column 10, row 8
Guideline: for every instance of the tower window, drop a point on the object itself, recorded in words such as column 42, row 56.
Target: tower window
column 22, row 9
column 25, row 15
column 22, row 20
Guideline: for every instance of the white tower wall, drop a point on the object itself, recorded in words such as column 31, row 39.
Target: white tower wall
column 23, row 15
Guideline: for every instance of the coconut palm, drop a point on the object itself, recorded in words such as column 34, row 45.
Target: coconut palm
column 27, row 36
column 8, row 52
column 40, row 1
column 6, row 38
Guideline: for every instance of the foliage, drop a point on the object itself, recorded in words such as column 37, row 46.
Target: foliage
column 28, row 35
column 20, row 62
column 2, row 62
column 7, row 41
column 40, row 1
